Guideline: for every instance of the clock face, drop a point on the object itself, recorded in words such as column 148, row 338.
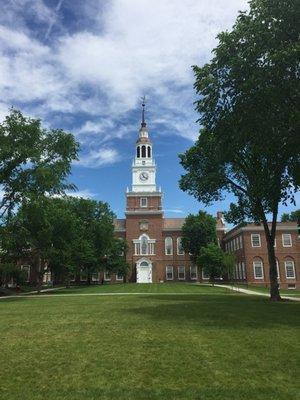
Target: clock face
column 144, row 176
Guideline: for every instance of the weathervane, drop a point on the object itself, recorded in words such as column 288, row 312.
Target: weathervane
column 143, row 124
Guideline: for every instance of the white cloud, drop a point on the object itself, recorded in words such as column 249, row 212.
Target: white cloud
column 85, row 194
column 98, row 158
column 129, row 48
column 174, row 210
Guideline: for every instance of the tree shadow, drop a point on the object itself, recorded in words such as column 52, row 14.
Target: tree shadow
column 220, row 312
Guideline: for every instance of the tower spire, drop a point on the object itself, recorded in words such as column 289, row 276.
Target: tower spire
column 143, row 124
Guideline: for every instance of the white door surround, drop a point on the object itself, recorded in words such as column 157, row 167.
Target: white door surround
column 144, row 271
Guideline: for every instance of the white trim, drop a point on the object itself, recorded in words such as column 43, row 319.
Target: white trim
column 258, row 235
column 118, row 277
column 166, row 253
column 196, row 269
column 290, row 240
column 172, row 270
column 293, row 267
column 143, row 199
column 181, row 266
column 28, row 268
column 178, row 240
column 254, row 269
column 105, row 276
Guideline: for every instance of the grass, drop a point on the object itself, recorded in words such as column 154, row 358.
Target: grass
column 197, row 346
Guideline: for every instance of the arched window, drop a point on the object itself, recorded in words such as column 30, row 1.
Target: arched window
column 168, row 245
column 144, row 264
column 258, row 269
column 180, row 250
column 289, row 266
column 149, row 151
column 143, row 151
column 138, row 152
column 144, row 245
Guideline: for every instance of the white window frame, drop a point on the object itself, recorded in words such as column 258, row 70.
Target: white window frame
column 171, row 270
column 169, row 254
column 252, row 236
column 107, row 279
column 138, row 246
column 254, row 269
column 145, row 199
column 293, row 266
column 178, row 241
column 95, row 277
column 178, row 272
column 274, row 242
column 196, row 272
column 28, row 268
column 277, row 270
column 119, row 277
column 204, row 277
column 284, row 235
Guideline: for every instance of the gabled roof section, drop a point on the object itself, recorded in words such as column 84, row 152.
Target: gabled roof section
column 120, row 224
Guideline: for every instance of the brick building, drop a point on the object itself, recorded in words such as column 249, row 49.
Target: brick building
column 155, row 252
column 249, row 245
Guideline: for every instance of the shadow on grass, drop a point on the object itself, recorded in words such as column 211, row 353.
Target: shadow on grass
column 219, row 311
column 158, row 393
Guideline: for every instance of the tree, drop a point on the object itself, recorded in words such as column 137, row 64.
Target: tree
column 229, row 265
column 249, row 144
column 198, row 231
column 95, row 237
column 211, row 261
column 294, row 216
column 34, row 161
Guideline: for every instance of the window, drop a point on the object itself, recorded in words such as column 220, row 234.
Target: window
column 289, row 269
column 168, row 245
column 243, row 270
column 181, row 273
column 95, row 277
column 291, row 286
column 274, row 242
column 180, row 250
column 277, row 269
column 258, row 270
column 119, row 276
column 169, row 273
column 149, row 151
column 204, row 274
column 106, row 275
column 143, row 151
column 286, row 240
column 193, row 272
column 143, row 202
column 144, row 245
column 241, row 241
column 26, row 269
column 255, row 240
column 138, row 152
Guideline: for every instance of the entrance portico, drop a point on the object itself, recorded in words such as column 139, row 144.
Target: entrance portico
column 144, row 271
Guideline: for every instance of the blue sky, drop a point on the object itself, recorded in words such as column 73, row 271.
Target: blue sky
column 84, row 65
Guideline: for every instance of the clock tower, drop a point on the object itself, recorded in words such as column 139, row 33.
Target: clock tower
column 143, row 166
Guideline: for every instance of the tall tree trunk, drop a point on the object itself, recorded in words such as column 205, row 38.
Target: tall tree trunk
column 270, row 238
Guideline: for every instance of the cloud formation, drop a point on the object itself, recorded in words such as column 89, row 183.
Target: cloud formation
column 121, row 51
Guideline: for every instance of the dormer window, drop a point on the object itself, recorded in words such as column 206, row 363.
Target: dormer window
column 143, row 202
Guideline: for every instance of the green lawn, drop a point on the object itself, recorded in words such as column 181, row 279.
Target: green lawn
column 208, row 344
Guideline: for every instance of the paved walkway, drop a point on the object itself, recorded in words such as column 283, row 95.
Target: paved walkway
column 253, row 292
